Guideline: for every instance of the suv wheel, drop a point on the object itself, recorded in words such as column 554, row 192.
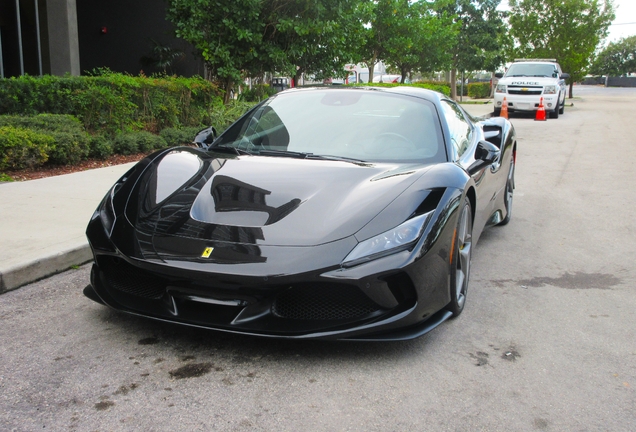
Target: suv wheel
column 555, row 114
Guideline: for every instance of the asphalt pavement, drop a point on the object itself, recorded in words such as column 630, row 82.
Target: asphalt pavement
column 43, row 222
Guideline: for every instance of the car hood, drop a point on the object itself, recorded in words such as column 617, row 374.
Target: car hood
column 270, row 201
column 528, row 81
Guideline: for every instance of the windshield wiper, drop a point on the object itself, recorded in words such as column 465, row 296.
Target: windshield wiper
column 306, row 155
column 229, row 149
column 339, row 158
column 284, row 153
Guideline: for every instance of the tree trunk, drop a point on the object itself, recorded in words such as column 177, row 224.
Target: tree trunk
column 453, row 84
column 492, row 85
column 296, row 78
column 371, row 65
column 403, row 72
column 229, row 83
column 571, row 89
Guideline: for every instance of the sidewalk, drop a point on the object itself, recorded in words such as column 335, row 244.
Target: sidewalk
column 477, row 107
column 42, row 223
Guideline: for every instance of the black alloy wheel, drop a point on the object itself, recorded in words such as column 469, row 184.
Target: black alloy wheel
column 462, row 253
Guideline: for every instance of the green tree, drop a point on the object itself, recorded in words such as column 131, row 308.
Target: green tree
column 618, row 58
column 316, row 37
column 226, row 34
column 567, row 30
column 419, row 39
column 238, row 38
column 478, row 45
column 378, row 17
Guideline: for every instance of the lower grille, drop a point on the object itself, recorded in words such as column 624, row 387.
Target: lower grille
column 528, row 92
column 121, row 276
column 322, row 302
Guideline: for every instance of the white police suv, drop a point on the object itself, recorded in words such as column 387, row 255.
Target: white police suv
column 527, row 81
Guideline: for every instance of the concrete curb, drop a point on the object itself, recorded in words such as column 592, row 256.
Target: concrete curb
column 43, row 223
column 15, row 277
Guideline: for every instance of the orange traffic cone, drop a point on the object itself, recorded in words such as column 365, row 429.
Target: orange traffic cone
column 504, row 109
column 540, row 112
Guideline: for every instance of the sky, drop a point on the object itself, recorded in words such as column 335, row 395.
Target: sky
column 624, row 24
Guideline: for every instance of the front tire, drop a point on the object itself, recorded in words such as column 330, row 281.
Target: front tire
column 460, row 265
column 510, row 187
column 555, row 114
column 496, row 112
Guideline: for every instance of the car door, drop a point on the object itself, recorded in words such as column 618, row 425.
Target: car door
column 464, row 137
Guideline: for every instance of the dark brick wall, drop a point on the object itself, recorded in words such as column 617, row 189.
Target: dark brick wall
column 130, row 25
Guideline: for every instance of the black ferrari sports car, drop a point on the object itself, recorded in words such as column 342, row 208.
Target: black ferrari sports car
column 332, row 213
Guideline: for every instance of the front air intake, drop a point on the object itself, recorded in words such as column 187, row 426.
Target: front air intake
column 121, row 276
column 323, row 302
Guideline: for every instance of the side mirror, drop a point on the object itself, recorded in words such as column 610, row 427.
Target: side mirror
column 486, row 154
column 499, row 75
column 565, row 76
column 205, row 137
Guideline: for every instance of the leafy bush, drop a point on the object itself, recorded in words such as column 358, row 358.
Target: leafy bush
column 177, row 137
column 71, row 141
column 148, row 142
column 479, row 90
column 69, row 148
column 125, row 144
column 137, row 142
column 430, row 85
column 257, row 93
column 23, row 148
column 6, row 178
column 47, row 122
column 221, row 119
column 100, row 147
column 114, row 102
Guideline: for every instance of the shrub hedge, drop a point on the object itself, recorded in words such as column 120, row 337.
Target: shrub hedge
column 23, row 148
column 71, row 143
column 137, row 142
column 114, row 102
column 257, row 93
column 479, row 90
column 443, row 88
column 101, row 147
column 177, row 137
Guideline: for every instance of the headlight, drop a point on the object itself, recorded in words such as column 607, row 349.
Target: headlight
column 501, row 88
column 107, row 212
column 107, row 208
column 395, row 240
column 549, row 89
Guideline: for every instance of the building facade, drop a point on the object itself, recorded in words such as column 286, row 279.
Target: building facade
column 61, row 37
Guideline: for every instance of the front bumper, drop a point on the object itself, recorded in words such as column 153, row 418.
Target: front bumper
column 526, row 102
column 372, row 301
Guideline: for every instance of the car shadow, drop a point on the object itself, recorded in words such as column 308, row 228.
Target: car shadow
column 166, row 338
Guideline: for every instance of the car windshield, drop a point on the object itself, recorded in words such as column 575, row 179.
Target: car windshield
column 357, row 124
column 532, row 70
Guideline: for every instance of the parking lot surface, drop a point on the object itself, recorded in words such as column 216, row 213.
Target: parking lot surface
column 546, row 342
